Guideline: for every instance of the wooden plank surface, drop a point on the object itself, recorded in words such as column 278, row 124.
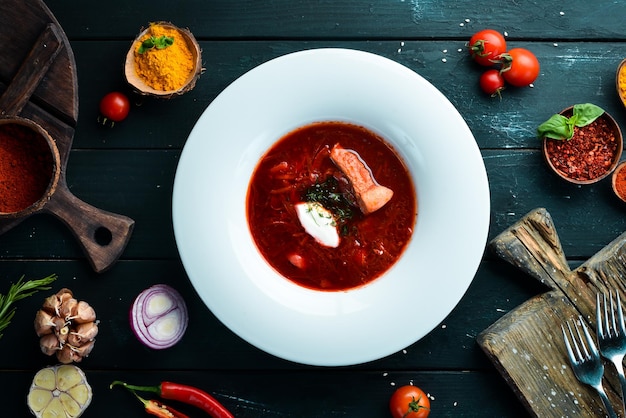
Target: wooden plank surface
column 130, row 170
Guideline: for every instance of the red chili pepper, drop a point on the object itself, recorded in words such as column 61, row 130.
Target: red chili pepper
column 186, row 394
column 159, row 409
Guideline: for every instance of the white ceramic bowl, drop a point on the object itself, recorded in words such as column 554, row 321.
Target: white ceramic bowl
column 271, row 312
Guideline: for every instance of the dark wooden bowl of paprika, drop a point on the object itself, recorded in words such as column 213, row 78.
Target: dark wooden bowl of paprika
column 29, row 167
column 590, row 155
column 618, row 181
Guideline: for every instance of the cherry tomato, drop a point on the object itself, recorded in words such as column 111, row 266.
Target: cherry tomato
column 492, row 82
column 114, row 107
column 486, row 46
column 409, row 402
column 520, row 67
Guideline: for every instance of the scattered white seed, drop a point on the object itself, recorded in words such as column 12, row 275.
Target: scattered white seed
column 562, row 13
column 531, row 85
column 555, row 44
column 455, row 403
column 399, row 50
column 444, row 326
column 385, row 374
column 392, row 383
column 506, row 33
column 445, row 51
column 461, row 24
column 459, row 50
column 402, row 43
column 444, row 60
column 467, row 20
column 404, row 351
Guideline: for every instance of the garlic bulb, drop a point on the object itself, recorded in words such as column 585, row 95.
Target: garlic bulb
column 66, row 327
column 59, row 391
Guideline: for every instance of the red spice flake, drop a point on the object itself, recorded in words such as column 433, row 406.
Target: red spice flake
column 588, row 155
column 26, row 167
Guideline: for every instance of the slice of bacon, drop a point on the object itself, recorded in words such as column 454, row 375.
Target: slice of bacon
column 370, row 195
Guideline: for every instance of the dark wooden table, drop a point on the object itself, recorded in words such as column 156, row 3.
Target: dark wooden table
column 130, row 170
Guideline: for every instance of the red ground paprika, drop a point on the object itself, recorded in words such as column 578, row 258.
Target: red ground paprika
column 620, row 183
column 26, row 167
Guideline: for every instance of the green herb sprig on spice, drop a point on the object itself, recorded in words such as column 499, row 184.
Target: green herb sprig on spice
column 561, row 127
column 20, row 290
column 161, row 42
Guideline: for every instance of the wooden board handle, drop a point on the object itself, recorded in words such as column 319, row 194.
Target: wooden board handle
column 533, row 245
column 31, row 71
column 102, row 235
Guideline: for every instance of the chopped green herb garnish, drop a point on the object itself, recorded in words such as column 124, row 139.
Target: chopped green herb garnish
column 161, row 42
column 329, row 195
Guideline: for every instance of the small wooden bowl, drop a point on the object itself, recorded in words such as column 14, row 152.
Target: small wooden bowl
column 621, row 167
column 55, row 172
column 616, row 158
column 621, row 70
column 139, row 85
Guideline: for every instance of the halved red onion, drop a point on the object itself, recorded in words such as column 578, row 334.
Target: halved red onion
column 159, row 316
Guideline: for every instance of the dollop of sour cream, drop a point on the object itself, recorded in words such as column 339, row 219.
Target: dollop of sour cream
column 319, row 223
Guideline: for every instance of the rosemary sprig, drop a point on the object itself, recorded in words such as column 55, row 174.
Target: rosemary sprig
column 18, row 291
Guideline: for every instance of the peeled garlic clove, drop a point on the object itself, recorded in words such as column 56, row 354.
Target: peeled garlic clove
column 59, row 391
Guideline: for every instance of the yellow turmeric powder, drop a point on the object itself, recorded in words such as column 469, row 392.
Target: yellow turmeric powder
column 166, row 69
column 621, row 78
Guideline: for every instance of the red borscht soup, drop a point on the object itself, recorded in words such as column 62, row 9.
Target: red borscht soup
column 331, row 206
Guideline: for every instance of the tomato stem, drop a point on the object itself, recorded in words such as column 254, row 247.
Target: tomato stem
column 414, row 406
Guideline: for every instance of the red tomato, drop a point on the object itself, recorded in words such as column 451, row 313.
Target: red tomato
column 520, row 67
column 492, row 82
column 114, row 106
column 486, row 46
column 409, row 402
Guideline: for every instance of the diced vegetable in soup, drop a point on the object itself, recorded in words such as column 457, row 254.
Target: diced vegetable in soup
column 331, row 206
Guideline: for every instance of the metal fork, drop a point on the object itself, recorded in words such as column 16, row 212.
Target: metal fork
column 612, row 335
column 586, row 364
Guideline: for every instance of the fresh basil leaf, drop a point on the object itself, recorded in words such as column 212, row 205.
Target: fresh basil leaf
column 586, row 113
column 163, row 42
column 557, row 127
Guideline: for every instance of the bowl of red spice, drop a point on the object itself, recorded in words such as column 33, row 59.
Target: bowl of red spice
column 618, row 181
column 29, row 167
column 163, row 61
column 582, row 144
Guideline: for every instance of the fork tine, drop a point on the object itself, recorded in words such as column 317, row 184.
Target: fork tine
column 568, row 346
column 599, row 317
column 577, row 355
column 614, row 328
column 590, row 344
column 620, row 315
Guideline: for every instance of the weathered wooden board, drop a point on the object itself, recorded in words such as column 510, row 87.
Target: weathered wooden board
column 526, row 345
column 38, row 81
